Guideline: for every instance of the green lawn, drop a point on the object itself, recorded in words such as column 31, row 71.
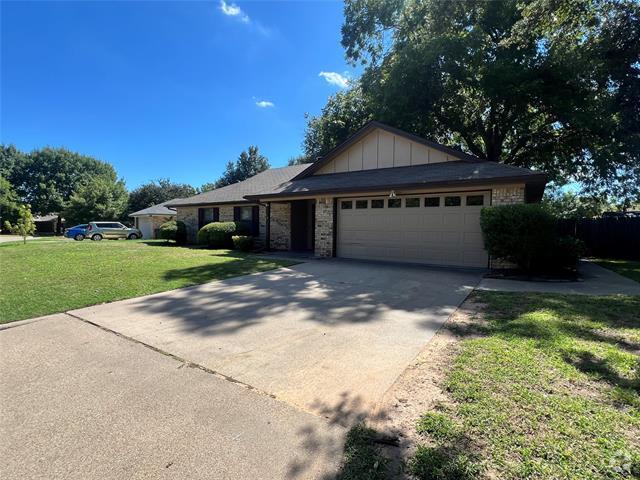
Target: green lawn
column 49, row 276
column 552, row 390
column 628, row 268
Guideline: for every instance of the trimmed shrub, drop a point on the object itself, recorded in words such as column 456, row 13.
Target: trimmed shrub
column 526, row 234
column 217, row 234
column 244, row 243
column 173, row 230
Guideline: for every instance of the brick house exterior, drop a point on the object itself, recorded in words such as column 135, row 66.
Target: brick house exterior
column 383, row 194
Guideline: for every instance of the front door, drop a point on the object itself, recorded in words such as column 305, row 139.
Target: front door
column 302, row 225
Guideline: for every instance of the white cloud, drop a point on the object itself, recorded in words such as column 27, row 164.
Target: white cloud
column 265, row 104
column 334, row 78
column 233, row 10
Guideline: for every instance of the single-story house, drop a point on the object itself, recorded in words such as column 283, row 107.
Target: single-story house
column 148, row 220
column 383, row 194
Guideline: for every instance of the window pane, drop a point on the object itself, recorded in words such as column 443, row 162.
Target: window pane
column 362, row 203
column 473, row 200
column 432, row 202
column 377, row 203
column 412, row 202
column 394, row 202
column 246, row 214
column 452, row 201
column 346, row 205
column 207, row 215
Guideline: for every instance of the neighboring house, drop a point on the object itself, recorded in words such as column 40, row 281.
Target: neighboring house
column 50, row 223
column 383, row 194
column 149, row 219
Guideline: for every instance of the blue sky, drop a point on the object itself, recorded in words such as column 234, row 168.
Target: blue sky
column 167, row 89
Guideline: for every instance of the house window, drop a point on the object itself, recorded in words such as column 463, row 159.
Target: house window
column 475, row 200
column 243, row 216
column 394, row 203
column 452, row 201
column 346, row 205
column 246, row 214
column 362, row 204
column 377, row 203
column 412, row 202
column 432, row 202
column 207, row 215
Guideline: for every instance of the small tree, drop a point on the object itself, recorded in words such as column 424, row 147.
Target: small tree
column 25, row 225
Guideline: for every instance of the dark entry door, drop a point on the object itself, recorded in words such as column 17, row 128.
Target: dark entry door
column 302, row 223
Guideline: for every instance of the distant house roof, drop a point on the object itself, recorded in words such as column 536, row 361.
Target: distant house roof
column 458, row 173
column 159, row 209
column 50, row 217
column 262, row 183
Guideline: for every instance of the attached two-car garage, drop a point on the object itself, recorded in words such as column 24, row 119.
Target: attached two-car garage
column 435, row 229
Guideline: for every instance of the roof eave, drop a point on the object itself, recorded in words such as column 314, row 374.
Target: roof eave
column 201, row 204
column 527, row 179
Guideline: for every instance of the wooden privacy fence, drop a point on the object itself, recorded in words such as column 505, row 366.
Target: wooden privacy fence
column 606, row 237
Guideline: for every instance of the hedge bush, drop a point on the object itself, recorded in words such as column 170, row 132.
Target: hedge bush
column 244, row 243
column 217, row 234
column 173, row 230
column 526, row 234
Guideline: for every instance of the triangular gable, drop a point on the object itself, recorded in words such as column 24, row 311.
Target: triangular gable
column 377, row 145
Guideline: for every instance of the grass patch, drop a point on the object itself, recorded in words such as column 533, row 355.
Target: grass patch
column 51, row 276
column 437, row 425
column 552, row 390
column 362, row 459
column 627, row 268
column 434, row 463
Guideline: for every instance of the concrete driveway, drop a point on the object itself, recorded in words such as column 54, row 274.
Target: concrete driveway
column 252, row 377
column 327, row 336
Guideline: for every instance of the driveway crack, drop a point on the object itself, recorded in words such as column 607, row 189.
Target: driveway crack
column 184, row 362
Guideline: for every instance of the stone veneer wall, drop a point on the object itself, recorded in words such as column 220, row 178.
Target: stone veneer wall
column 189, row 215
column 324, row 227
column 506, row 195
column 280, row 226
column 158, row 221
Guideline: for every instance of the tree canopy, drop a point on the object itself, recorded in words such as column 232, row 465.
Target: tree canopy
column 46, row 178
column 101, row 198
column 249, row 163
column 159, row 191
column 548, row 84
column 9, row 202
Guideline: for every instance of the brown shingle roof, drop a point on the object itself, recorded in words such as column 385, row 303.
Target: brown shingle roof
column 264, row 182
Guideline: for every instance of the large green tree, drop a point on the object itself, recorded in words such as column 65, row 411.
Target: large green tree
column 550, row 84
column 159, row 191
column 249, row 163
column 46, row 178
column 9, row 202
column 103, row 197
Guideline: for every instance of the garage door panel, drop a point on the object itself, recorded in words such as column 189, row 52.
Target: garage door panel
column 431, row 235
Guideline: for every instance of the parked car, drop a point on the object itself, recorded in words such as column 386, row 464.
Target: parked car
column 78, row 233
column 96, row 231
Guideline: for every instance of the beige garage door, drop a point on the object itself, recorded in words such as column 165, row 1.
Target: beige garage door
column 442, row 229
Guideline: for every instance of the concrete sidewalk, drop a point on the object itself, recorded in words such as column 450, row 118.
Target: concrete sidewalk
column 82, row 403
column 595, row 280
